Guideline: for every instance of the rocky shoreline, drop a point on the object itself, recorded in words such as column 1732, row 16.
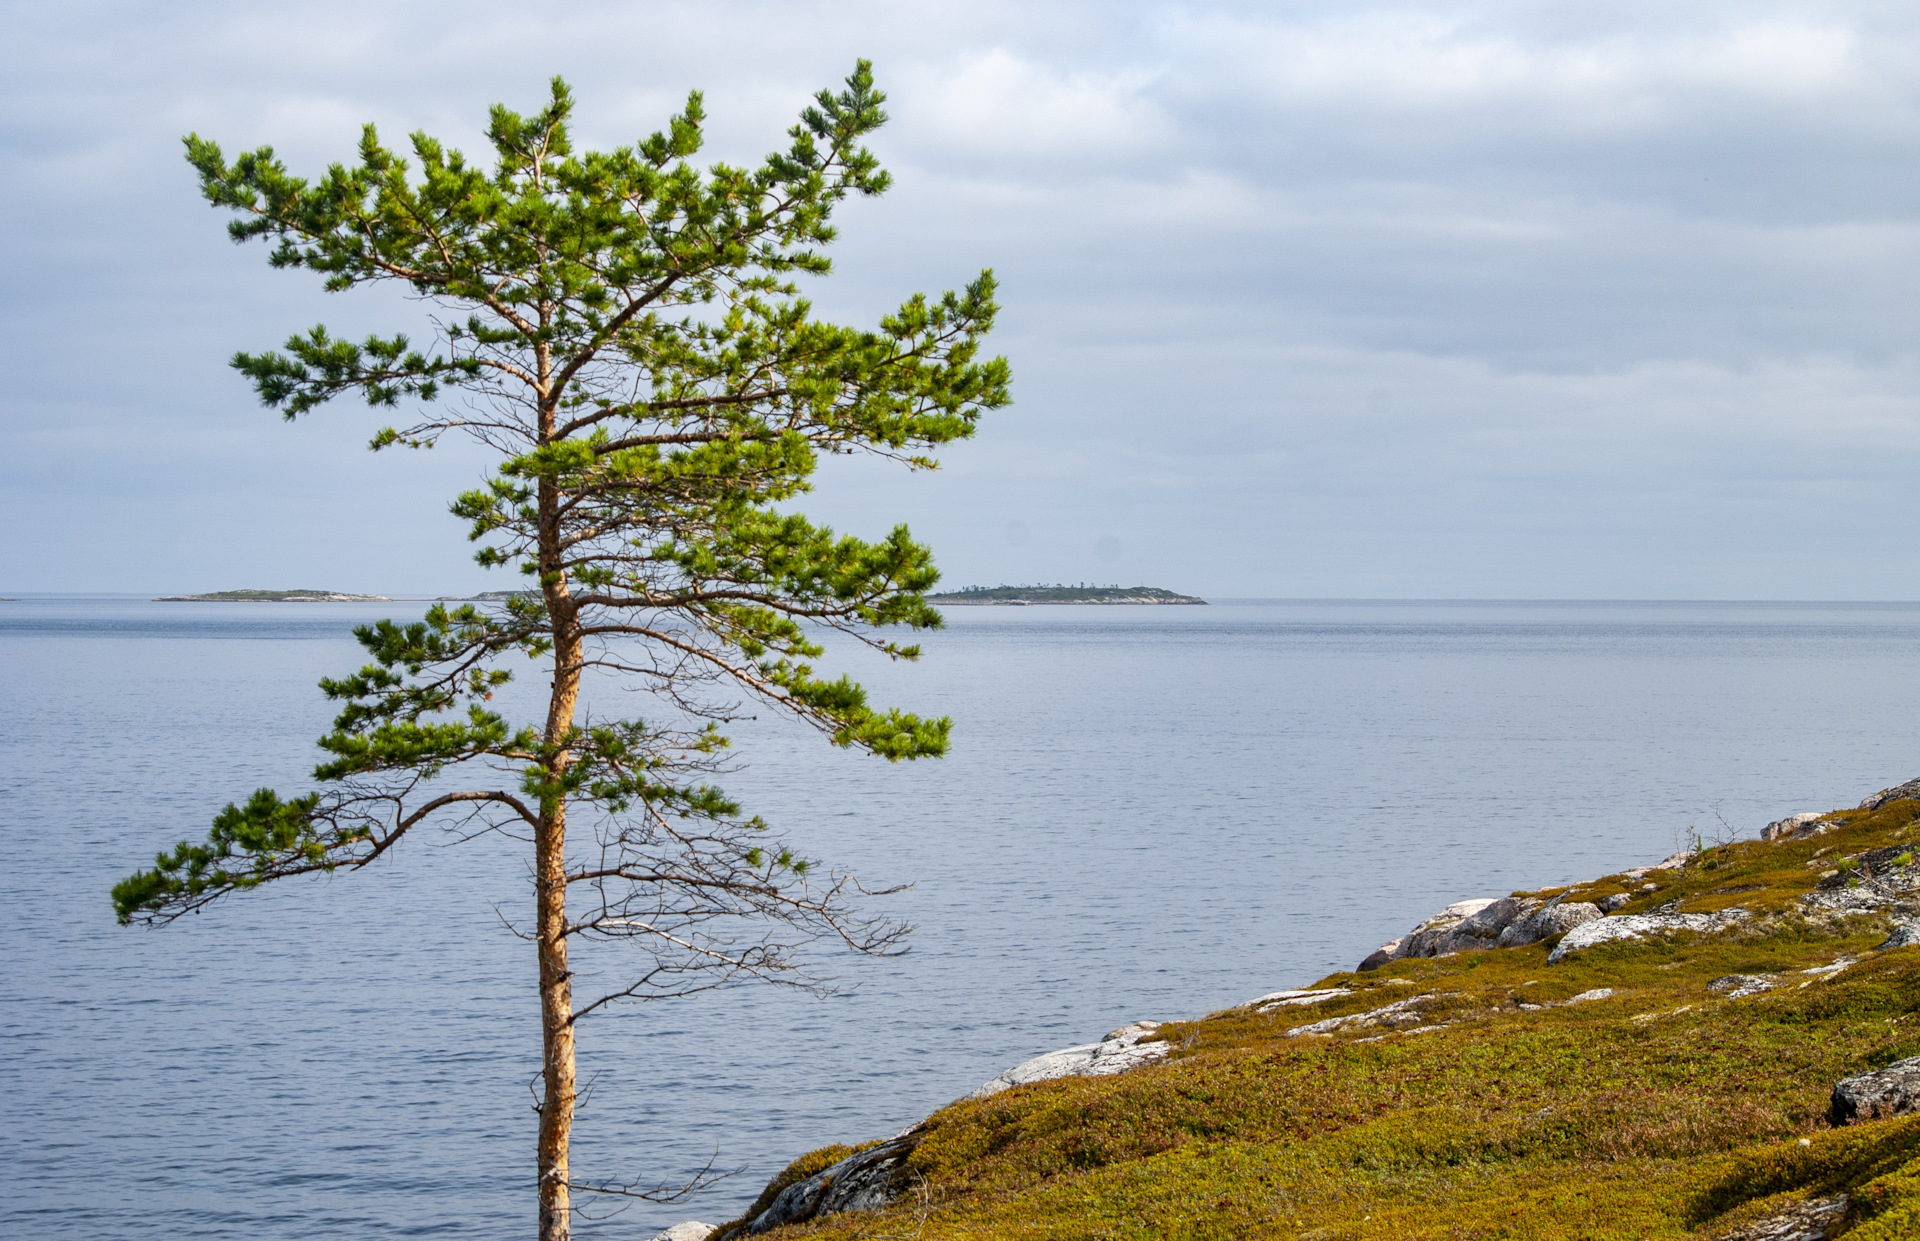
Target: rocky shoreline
column 1614, row 909
column 1583, row 914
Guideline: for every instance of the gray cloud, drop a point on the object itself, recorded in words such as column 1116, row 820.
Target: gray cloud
column 1509, row 299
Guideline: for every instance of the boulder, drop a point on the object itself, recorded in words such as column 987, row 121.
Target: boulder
column 1905, row 935
column 1423, row 940
column 865, row 1181
column 1877, row 1095
column 1635, row 926
column 1122, row 1049
column 692, row 1230
column 1791, row 826
column 1556, row 917
column 1389, row 951
column 1607, row 904
column 1481, row 931
column 1911, row 789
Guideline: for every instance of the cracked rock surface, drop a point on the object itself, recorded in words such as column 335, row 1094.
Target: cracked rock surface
column 1119, row 1051
column 1295, row 999
column 1812, row 1220
column 1905, row 935
column 1637, row 926
column 1556, row 917
column 1875, row 880
column 865, row 1181
column 1877, row 1095
column 691, row 1230
column 1740, row 986
column 1399, row 1014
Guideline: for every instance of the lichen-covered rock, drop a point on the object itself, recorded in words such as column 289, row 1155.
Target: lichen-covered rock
column 1876, row 879
column 1637, row 926
column 1119, row 1051
column 1740, row 986
column 1399, row 1015
column 1905, row 935
column 1424, row 939
column 1911, row 789
column 1812, row 1220
column 1556, row 917
column 1294, row 999
column 1791, row 826
column 691, row 1230
column 865, row 1181
column 1481, row 931
column 1877, row 1095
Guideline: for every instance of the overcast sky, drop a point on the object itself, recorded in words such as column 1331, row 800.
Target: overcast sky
column 1438, row 300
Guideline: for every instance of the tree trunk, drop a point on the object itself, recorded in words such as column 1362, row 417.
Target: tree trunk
column 556, row 1024
column 556, row 980
column 550, row 862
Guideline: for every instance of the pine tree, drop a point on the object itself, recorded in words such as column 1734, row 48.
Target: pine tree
column 624, row 330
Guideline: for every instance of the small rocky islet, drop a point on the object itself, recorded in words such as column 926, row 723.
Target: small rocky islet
column 1722, row 1044
column 1081, row 594
column 254, row 595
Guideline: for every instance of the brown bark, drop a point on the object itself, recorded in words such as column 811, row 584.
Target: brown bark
column 550, row 860
column 556, row 1024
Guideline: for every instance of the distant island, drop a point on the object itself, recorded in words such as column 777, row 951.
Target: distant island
column 274, row 596
column 1017, row 596
column 489, row 596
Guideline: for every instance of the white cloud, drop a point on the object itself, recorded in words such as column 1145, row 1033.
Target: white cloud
column 997, row 103
column 1413, row 61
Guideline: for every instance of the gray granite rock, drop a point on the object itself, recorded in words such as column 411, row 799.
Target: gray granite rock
column 1607, row 904
column 1740, row 986
column 692, row 1230
column 1294, row 999
column 1822, row 972
column 1119, row 1051
column 863, row 1182
column 1877, row 1095
column 1791, row 826
column 1905, row 935
column 1636, row 926
column 1911, row 789
column 1399, row 1015
column 1481, row 931
column 1424, row 939
column 1812, row 1220
column 1876, row 879
column 1556, row 917
column 1386, row 952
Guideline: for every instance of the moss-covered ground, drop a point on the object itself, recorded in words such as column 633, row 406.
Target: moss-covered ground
column 1666, row 1110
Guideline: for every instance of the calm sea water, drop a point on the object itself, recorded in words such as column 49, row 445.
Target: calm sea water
column 1148, row 813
